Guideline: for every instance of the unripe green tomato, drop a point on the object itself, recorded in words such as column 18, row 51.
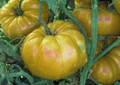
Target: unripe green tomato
column 54, row 56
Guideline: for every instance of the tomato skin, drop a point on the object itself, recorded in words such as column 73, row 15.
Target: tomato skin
column 117, row 6
column 20, row 25
column 54, row 56
column 84, row 3
column 107, row 69
column 108, row 22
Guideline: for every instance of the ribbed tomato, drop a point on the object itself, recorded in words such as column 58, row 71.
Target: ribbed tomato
column 107, row 69
column 17, row 23
column 84, row 3
column 54, row 56
column 117, row 5
column 108, row 22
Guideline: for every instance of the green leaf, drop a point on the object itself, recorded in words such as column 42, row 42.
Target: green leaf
column 1, row 31
column 53, row 3
column 2, row 2
column 42, row 82
column 62, row 83
column 22, row 83
column 2, row 55
column 2, row 70
column 7, row 47
column 63, row 1
column 117, row 83
column 114, row 1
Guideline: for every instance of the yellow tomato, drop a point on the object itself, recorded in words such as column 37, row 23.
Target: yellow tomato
column 84, row 3
column 107, row 69
column 54, row 56
column 108, row 22
column 19, row 23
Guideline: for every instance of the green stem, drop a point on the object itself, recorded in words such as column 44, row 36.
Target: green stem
column 11, row 75
column 14, row 66
column 94, row 42
column 106, row 50
column 17, row 38
column 42, row 82
column 113, row 2
column 18, row 11
column 4, row 71
column 105, row 37
column 20, row 42
column 77, row 23
column 19, row 6
column 4, row 41
column 91, row 78
column 40, row 19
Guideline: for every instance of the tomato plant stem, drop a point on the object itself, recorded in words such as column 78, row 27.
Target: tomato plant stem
column 19, row 10
column 77, row 23
column 17, row 74
column 40, row 19
column 8, row 75
column 94, row 42
column 113, row 2
column 11, row 75
column 106, row 50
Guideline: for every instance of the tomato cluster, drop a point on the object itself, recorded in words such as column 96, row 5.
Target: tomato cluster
column 62, row 52
column 107, row 69
column 53, row 56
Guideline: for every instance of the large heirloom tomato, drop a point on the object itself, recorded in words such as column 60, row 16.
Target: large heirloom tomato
column 108, row 22
column 107, row 69
column 17, row 23
column 54, row 56
column 84, row 3
column 117, row 5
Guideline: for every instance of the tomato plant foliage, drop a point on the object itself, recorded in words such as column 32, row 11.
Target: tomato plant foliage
column 53, row 3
